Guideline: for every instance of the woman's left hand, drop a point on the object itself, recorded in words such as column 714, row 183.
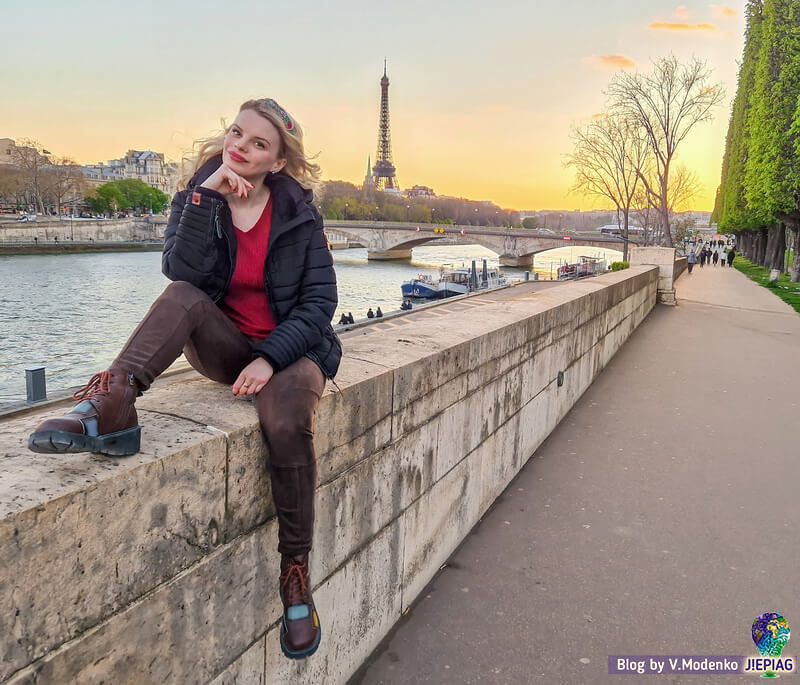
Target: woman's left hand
column 253, row 377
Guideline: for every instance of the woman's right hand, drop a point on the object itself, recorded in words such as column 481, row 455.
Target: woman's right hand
column 227, row 182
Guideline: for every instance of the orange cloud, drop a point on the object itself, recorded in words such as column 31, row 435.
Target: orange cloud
column 667, row 26
column 682, row 12
column 609, row 62
column 723, row 12
column 498, row 108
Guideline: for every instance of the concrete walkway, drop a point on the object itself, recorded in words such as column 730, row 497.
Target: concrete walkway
column 660, row 517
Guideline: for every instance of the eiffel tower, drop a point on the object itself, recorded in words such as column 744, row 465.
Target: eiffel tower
column 383, row 173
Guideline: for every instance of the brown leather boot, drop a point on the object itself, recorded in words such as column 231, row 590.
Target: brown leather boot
column 300, row 630
column 104, row 422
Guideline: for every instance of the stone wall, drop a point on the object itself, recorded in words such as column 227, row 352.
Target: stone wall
column 681, row 264
column 162, row 567
column 664, row 259
column 82, row 231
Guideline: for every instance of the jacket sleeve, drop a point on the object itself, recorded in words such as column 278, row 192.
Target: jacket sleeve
column 190, row 249
column 304, row 327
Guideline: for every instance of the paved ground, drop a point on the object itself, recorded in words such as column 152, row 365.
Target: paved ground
column 660, row 517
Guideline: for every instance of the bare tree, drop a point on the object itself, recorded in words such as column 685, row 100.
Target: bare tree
column 12, row 185
column 607, row 157
column 667, row 104
column 684, row 185
column 31, row 159
column 62, row 180
column 683, row 188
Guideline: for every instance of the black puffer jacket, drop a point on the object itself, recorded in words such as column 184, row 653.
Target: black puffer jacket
column 200, row 247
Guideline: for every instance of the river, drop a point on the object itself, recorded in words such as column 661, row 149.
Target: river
column 72, row 313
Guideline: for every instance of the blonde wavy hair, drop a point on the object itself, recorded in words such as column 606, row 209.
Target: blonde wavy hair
column 299, row 166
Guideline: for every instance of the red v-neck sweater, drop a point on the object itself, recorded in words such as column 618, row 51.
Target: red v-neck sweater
column 245, row 303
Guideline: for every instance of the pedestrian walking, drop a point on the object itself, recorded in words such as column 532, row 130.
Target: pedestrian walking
column 250, row 306
column 691, row 259
column 715, row 257
column 731, row 255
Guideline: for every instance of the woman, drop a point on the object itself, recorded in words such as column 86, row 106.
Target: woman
column 251, row 302
column 691, row 260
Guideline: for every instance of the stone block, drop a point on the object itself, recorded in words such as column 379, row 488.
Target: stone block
column 462, row 427
column 186, row 631
column 344, row 416
column 533, row 421
column 434, row 525
column 357, row 607
column 249, row 492
column 408, row 416
column 352, row 424
column 499, row 461
column 68, row 563
column 248, row 669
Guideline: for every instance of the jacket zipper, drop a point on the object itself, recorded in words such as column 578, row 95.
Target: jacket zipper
column 223, row 235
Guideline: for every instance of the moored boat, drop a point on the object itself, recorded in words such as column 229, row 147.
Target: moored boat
column 453, row 282
column 588, row 266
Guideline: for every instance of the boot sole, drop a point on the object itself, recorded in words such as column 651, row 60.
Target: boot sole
column 121, row 444
column 300, row 653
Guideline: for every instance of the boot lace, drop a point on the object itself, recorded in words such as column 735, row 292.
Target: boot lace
column 295, row 587
column 98, row 385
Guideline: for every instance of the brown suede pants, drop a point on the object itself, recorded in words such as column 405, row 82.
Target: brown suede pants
column 185, row 319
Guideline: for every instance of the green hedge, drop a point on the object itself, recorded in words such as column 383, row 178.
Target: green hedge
column 619, row 266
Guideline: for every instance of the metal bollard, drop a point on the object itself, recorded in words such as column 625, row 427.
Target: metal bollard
column 527, row 275
column 35, row 384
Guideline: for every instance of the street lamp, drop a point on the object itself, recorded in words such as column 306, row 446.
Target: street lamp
column 345, row 210
column 407, row 208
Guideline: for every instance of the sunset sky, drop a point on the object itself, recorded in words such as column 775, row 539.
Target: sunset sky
column 482, row 94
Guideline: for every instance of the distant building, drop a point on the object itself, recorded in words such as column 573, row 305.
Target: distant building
column 420, row 192
column 6, row 150
column 700, row 219
column 8, row 146
column 369, row 182
column 145, row 165
column 98, row 174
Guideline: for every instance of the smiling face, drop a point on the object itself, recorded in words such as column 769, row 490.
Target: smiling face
column 252, row 146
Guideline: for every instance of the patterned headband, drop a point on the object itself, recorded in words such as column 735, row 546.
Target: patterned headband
column 287, row 120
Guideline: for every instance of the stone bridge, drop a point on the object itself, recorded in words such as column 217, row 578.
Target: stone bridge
column 515, row 247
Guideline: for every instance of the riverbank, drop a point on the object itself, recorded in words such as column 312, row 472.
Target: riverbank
column 789, row 292
column 76, row 247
